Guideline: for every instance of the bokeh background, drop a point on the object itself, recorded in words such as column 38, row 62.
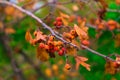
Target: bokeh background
column 18, row 57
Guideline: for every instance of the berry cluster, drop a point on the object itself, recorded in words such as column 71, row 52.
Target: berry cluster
column 72, row 35
column 58, row 23
column 52, row 46
column 111, row 25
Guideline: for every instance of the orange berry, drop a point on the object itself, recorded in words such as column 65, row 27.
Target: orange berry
column 42, row 45
column 59, row 43
column 73, row 32
column 111, row 28
column 48, row 72
column 115, row 64
column 55, row 67
column 46, row 47
column 118, row 2
column 86, row 42
column 101, row 26
column 51, row 38
column 111, row 22
column 56, row 48
column 67, row 66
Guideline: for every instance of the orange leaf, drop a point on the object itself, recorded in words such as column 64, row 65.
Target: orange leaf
column 81, row 32
column 40, row 36
column 81, row 61
column 64, row 15
column 110, row 67
column 65, row 22
column 28, row 36
column 42, row 54
column 64, row 18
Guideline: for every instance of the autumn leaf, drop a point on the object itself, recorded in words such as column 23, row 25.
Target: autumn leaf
column 65, row 22
column 110, row 67
column 82, row 32
column 64, row 15
column 42, row 54
column 81, row 61
column 28, row 36
column 64, row 18
column 40, row 36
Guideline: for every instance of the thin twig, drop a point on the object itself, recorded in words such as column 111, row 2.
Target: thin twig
column 50, row 29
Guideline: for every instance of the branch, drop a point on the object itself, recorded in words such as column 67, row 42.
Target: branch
column 52, row 32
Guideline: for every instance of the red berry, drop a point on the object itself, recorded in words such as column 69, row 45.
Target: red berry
column 64, row 49
column 58, row 19
column 115, row 64
column 56, row 48
column 52, row 51
column 59, row 23
column 111, row 28
column 51, row 46
column 60, row 53
column 86, row 42
column 42, row 45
